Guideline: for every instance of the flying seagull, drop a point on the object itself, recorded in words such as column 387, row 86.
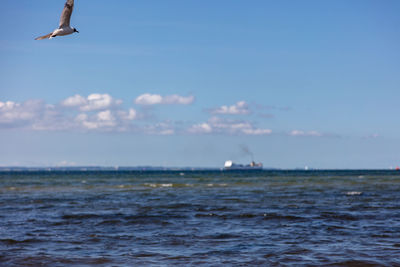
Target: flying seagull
column 64, row 28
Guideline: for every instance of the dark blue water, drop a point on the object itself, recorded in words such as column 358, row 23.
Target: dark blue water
column 339, row 218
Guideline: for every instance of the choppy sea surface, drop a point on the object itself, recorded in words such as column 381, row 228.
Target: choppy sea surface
column 206, row 218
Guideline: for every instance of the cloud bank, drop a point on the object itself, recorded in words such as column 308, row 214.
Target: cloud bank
column 74, row 113
column 95, row 112
column 104, row 113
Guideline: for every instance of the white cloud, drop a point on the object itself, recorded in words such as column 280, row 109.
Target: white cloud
column 303, row 133
column 200, row 128
column 154, row 99
column 178, row 100
column 106, row 120
column 20, row 114
column 74, row 101
column 162, row 128
column 240, row 108
column 32, row 114
column 83, row 119
column 167, row 132
column 222, row 126
column 7, row 105
column 39, row 116
column 130, row 115
column 105, row 116
column 92, row 102
column 148, row 99
column 372, row 136
column 12, row 112
column 257, row 131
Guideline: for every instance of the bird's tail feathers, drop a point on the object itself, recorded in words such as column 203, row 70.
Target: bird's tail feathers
column 47, row 36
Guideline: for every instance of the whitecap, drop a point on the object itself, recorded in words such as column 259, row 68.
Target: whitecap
column 354, row 193
column 158, row 185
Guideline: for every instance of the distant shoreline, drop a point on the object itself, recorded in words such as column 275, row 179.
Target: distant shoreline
column 171, row 169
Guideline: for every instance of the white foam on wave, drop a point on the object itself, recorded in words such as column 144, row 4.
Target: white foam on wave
column 158, row 185
column 354, row 193
column 216, row 185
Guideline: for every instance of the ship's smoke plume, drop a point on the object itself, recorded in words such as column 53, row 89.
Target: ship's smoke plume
column 245, row 150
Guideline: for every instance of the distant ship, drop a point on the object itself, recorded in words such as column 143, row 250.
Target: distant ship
column 230, row 165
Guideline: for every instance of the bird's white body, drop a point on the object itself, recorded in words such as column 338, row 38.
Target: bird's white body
column 62, row 31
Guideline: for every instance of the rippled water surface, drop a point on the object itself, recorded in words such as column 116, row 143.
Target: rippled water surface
column 348, row 218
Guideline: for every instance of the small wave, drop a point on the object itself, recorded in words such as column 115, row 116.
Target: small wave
column 148, row 254
column 148, row 220
column 204, row 215
column 90, row 216
column 110, row 222
column 80, row 216
column 354, row 193
column 275, row 216
column 265, row 216
column 339, row 216
column 43, row 260
column 180, row 258
column 364, row 263
column 10, row 241
column 223, row 236
column 248, row 215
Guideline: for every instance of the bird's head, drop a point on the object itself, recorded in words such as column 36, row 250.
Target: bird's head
column 75, row 30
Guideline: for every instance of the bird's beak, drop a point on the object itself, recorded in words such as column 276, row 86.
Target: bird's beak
column 77, row 31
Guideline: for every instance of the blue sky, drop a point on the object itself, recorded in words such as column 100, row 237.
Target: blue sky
column 195, row 83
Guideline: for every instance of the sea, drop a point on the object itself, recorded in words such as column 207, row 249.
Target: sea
column 200, row 218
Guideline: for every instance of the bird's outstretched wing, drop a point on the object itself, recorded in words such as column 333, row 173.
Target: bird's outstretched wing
column 66, row 13
column 44, row 36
